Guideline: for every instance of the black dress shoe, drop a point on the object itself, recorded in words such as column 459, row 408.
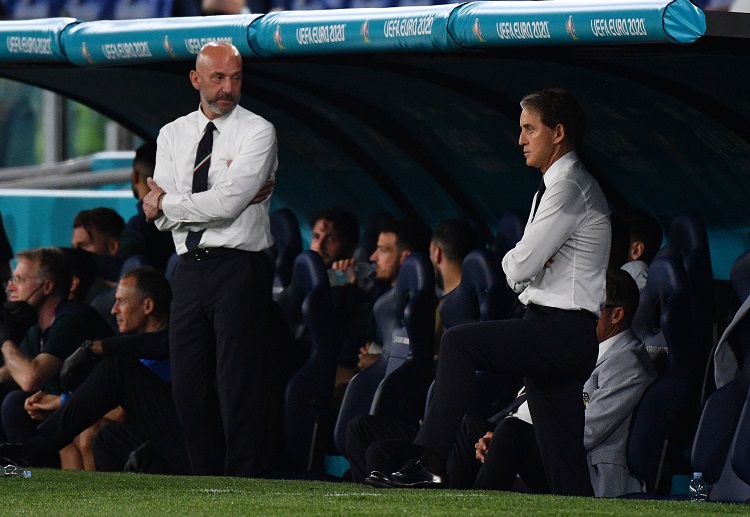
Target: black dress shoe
column 13, row 454
column 412, row 475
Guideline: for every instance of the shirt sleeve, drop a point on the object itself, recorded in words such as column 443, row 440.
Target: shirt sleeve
column 164, row 178
column 559, row 213
column 234, row 187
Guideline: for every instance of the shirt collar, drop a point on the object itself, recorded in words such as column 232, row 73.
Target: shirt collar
column 560, row 165
column 218, row 122
column 606, row 345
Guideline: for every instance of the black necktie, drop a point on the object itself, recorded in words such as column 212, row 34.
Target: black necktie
column 510, row 408
column 540, row 193
column 200, row 176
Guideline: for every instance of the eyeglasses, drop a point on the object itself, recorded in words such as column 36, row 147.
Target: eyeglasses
column 18, row 279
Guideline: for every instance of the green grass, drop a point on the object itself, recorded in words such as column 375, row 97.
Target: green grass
column 54, row 492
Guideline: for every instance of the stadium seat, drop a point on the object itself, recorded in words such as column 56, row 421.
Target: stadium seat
column 720, row 436
column 288, row 244
column 509, row 232
column 396, row 384
column 739, row 276
column 137, row 9
column 369, row 239
column 87, row 10
column 309, row 392
column 103, row 303
column 687, row 240
column 133, row 262
column 30, row 9
column 662, row 423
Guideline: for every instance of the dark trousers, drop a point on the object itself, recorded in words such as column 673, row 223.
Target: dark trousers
column 17, row 423
column 118, row 381
column 220, row 367
column 513, row 452
column 365, row 451
column 555, row 351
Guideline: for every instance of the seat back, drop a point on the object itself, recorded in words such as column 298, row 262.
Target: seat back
column 509, row 232
column 719, row 436
column 739, row 276
column 369, row 239
column 30, row 9
column 688, row 242
column 309, row 391
column 133, row 262
column 405, row 316
column 287, row 245
column 87, row 10
column 662, row 422
column 138, row 9
column 103, row 303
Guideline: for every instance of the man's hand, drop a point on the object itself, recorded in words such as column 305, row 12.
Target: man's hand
column 482, row 446
column 264, row 193
column 365, row 357
column 152, row 201
column 41, row 404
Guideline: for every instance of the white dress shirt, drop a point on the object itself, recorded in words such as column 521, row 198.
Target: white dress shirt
column 243, row 158
column 638, row 269
column 572, row 225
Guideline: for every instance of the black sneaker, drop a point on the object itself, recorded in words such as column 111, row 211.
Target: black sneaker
column 412, row 475
column 13, row 454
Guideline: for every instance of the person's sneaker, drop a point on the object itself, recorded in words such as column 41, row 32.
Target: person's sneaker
column 13, row 454
column 412, row 475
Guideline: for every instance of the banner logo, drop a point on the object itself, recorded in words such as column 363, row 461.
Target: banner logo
column 571, row 28
column 277, row 37
column 168, row 47
column 477, row 29
column 365, row 31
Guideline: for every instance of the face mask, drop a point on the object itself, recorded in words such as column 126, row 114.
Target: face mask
column 19, row 316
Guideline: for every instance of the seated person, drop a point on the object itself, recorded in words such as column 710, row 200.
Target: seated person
column 139, row 237
column 396, row 241
column 645, row 241
column 42, row 327
column 120, row 380
column 622, row 374
column 335, row 234
column 98, row 231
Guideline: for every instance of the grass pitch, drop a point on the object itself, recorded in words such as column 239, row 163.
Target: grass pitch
column 55, row 492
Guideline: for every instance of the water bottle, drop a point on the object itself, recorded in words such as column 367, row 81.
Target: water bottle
column 361, row 271
column 13, row 471
column 699, row 488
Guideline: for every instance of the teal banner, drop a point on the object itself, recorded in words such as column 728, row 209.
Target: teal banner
column 353, row 30
column 529, row 23
column 33, row 40
column 131, row 41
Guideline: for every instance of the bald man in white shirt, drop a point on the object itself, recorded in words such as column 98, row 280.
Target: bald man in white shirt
column 222, row 284
column 558, row 268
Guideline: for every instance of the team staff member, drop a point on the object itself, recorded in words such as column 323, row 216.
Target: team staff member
column 559, row 268
column 222, row 285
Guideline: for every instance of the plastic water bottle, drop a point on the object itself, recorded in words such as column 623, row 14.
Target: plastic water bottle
column 361, row 271
column 699, row 488
column 12, row 471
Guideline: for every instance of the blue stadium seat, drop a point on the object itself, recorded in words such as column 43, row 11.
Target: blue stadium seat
column 137, row 9
column 288, row 244
column 509, row 232
column 31, row 9
column 721, row 434
column 396, row 384
column 309, row 392
column 662, row 423
column 133, row 262
column 87, row 10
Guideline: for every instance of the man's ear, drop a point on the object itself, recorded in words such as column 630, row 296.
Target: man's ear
column 404, row 254
column 617, row 315
column 636, row 250
column 113, row 246
column 559, row 134
column 194, row 79
column 148, row 306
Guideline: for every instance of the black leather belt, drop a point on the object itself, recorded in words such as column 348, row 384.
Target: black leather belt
column 199, row 254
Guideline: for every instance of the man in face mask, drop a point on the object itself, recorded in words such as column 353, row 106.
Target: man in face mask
column 40, row 330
